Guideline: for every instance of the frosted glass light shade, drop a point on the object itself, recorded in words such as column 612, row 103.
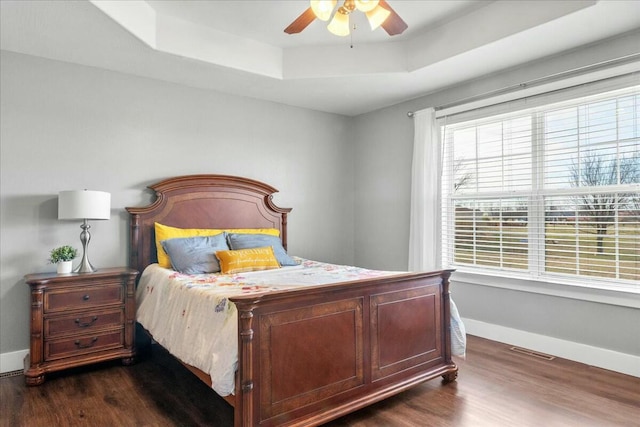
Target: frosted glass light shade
column 323, row 8
column 377, row 16
column 339, row 25
column 84, row 204
column 366, row 5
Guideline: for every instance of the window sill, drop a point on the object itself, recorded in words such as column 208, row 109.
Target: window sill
column 614, row 295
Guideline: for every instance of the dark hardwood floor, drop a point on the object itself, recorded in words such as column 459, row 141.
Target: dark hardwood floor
column 495, row 387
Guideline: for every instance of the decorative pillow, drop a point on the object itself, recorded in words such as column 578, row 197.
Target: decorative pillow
column 165, row 232
column 246, row 241
column 244, row 260
column 195, row 255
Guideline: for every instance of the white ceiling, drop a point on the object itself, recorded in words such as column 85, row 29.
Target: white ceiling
column 240, row 47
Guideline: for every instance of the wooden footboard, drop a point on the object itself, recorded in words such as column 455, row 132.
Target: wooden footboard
column 308, row 357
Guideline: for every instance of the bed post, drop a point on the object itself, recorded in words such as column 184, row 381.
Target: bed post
column 446, row 307
column 135, row 241
column 243, row 415
column 268, row 200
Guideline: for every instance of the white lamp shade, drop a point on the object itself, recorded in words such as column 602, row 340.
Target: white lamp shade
column 377, row 16
column 84, row 204
column 323, row 8
column 339, row 25
column 366, row 5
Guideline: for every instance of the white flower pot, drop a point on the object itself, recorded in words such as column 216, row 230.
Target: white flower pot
column 64, row 267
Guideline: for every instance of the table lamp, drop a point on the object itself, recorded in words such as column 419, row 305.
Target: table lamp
column 84, row 205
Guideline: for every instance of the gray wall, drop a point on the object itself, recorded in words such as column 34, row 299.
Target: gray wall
column 71, row 127
column 383, row 149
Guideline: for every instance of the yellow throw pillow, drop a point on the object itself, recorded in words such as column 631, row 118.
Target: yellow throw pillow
column 165, row 232
column 243, row 260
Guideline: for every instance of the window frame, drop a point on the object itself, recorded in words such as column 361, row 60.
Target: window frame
column 534, row 278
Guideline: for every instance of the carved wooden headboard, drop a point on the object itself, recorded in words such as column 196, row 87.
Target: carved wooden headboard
column 203, row 201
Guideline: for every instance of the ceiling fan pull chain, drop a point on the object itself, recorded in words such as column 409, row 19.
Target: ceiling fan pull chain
column 351, row 35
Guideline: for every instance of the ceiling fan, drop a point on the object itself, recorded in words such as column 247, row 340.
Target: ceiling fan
column 379, row 14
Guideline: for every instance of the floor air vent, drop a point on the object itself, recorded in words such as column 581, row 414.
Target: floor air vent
column 11, row 374
column 532, row 353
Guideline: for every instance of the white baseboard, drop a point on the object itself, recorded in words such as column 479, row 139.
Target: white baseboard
column 13, row 361
column 628, row 364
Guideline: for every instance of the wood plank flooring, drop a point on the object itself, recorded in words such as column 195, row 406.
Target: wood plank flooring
column 495, row 387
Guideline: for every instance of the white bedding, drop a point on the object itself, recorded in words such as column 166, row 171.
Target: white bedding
column 180, row 310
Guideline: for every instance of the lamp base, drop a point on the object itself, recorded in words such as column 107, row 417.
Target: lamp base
column 85, row 266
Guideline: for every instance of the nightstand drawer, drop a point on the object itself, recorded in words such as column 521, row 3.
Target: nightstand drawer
column 83, row 322
column 56, row 349
column 71, row 299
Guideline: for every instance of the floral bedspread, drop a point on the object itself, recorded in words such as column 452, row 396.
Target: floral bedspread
column 191, row 316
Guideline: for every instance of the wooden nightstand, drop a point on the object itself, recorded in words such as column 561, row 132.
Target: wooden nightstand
column 78, row 319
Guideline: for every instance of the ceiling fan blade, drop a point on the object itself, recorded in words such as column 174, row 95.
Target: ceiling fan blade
column 301, row 22
column 393, row 24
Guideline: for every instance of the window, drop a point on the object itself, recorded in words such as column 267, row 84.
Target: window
column 548, row 192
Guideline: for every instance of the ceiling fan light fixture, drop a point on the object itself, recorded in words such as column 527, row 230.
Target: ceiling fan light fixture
column 323, row 8
column 378, row 12
column 366, row 5
column 339, row 25
column 377, row 16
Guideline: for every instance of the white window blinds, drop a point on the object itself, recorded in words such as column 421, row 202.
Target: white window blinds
column 550, row 191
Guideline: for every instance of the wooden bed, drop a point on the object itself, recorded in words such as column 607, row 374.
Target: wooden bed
column 371, row 339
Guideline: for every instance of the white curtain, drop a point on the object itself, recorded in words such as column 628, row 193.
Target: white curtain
column 425, row 224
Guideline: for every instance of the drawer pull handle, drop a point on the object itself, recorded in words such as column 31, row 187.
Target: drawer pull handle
column 85, row 298
column 93, row 341
column 85, row 325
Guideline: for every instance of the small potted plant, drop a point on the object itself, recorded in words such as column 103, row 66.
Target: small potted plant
column 63, row 257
